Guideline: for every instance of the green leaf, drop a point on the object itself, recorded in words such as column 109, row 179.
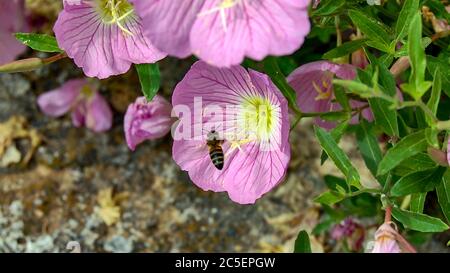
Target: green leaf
column 344, row 49
column 418, row 221
column 410, row 8
column 302, row 244
column 150, row 79
column 443, row 194
column 418, row 162
column 355, row 87
column 337, row 134
column 39, row 42
column 334, row 116
column 386, row 80
column 329, row 198
column 328, row 7
column 444, row 68
column 342, row 98
column 336, row 184
column 385, row 116
column 432, row 135
column 417, row 85
column 369, row 148
column 338, row 156
column 273, row 70
column 407, row 147
column 374, row 30
column 417, row 202
column 403, row 51
column 418, row 182
column 433, row 102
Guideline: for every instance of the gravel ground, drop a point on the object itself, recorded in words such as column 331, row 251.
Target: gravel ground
column 86, row 187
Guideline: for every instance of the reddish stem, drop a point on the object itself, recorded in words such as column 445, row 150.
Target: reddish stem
column 387, row 216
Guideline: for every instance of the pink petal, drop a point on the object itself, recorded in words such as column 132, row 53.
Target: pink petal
column 58, row 102
column 98, row 114
column 12, row 20
column 252, row 28
column 102, row 50
column 253, row 173
column 386, row 246
column 79, row 114
column 385, row 241
column 168, row 23
column 147, row 120
column 306, row 76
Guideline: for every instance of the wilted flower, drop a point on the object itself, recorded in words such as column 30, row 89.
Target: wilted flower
column 248, row 118
column 386, row 240
column 359, row 59
column 147, row 120
column 350, row 231
column 314, row 87
column 12, row 20
column 223, row 32
column 80, row 97
column 104, row 37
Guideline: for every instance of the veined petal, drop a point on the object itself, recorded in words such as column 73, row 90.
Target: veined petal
column 193, row 156
column 168, row 23
column 313, row 85
column 98, row 114
column 254, row 172
column 252, row 166
column 99, row 47
column 58, row 102
column 224, row 34
column 147, row 120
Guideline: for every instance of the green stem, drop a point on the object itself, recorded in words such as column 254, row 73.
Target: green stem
column 356, row 193
column 443, row 125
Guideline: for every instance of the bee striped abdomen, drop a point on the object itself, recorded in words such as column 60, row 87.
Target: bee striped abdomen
column 217, row 157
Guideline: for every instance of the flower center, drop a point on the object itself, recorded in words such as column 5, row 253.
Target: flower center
column 221, row 9
column 116, row 12
column 87, row 91
column 324, row 90
column 257, row 118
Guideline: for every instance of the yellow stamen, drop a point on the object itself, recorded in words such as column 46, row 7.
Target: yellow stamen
column 116, row 12
column 221, row 8
column 322, row 94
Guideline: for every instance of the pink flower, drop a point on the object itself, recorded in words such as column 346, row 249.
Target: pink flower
column 104, row 37
column 224, row 32
column 350, row 231
column 314, row 87
column 386, row 240
column 359, row 59
column 88, row 107
column 246, row 116
column 147, row 120
column 12, row 20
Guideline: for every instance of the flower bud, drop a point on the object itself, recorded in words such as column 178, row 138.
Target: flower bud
column 147, row 120
column 22, row 65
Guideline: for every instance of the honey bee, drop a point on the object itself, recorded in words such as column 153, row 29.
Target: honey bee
column 215, row 149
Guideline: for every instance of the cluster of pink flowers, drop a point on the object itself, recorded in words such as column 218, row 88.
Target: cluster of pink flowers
column 250, row 119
